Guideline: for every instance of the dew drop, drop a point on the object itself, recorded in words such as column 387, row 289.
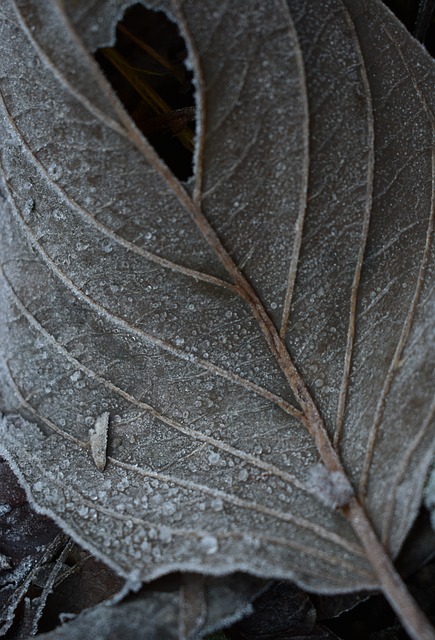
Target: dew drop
column 83, row 511
column 57, row 214
column 243, row 475
column 217, row 504
column 169, row 509
column 214, row 458
column 209, row 544
column 55, row 171
column 165, row 534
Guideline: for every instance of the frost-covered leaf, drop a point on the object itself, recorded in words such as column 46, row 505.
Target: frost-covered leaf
column 179, row 607
column 235, row 328
column 152, row 619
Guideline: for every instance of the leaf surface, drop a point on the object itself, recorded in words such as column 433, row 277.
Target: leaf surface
column 161, row 304
column 178, row 607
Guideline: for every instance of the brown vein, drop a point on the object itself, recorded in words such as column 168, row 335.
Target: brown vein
column 222, row 446
column 163, row 262
column 225, row 535
column 235, row 535
column 427, row 423
column 131, row 131
column 166, row 346
column 249, row 505
column 29, row 407
column 299, row 224
column 84, row 101
column 190, row 206
column 395, row 362
column 194, row 486
column 410, row 453
column 344, row 387
column 315, row 424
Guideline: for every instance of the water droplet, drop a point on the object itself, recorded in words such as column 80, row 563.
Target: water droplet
column 165, row 534
column 217, row 504
column 169, row 508
column 214, row 458
column 243, row 475
column 55, row 171
column 209, row 544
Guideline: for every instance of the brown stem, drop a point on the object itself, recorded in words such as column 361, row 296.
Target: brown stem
column 395, row 591
column 314, row 421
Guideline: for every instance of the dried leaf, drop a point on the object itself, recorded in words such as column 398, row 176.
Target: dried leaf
column 152, row 619
column 160, row 610
column 277, row 312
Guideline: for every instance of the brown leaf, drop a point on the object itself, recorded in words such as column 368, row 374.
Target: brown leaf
column 276, row 313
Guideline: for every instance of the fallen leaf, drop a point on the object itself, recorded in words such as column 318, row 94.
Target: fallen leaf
column 251, row 334
column 181, row 607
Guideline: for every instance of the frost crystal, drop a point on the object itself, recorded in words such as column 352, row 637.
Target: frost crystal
column 332, row 488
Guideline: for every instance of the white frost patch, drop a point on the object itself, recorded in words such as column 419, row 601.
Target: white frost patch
column 98, row 440
column 332, row 488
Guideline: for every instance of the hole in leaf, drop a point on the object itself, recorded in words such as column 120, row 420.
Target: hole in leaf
column 147, row 71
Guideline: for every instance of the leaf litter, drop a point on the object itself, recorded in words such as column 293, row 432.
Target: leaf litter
column 238, row 332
